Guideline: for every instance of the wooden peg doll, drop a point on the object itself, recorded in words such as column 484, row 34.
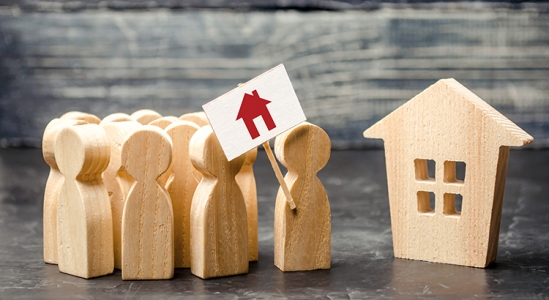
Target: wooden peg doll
column 116, row 179
column 84, row 221
column 147, row 220
column 181, row 187
column 219, row 226
column 199, row 118
column 116, row 117
column 53, row 187
column 145, row 116
column 302, row 237
column 162, row 123
column 246, row 181
column 78, row 115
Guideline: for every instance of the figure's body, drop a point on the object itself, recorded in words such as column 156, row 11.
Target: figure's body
column 116, row 179
column 85, row 235
column 147, row 220
column 219, row 226
column 181, row 187
column 246, row 181
column 302, row 237
column 53, row 187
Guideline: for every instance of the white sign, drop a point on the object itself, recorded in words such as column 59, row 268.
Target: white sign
column 254, row 112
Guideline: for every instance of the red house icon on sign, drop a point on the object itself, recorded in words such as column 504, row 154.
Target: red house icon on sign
column 252, row 107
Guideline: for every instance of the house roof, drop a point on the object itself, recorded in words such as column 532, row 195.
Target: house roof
column 517, row 136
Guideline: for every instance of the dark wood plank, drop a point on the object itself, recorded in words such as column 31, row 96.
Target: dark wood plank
column 307, row 5
column 349, row 69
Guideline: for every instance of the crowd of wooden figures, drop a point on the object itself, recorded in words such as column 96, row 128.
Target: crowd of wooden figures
column 146, row 194
column 150, row 198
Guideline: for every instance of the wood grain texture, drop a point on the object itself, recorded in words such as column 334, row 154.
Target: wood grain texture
column 53, row 187
column 116, row 179
column 84, row 220
column 147, row 220
column 78, row 115
column 448, row 124
column 181, row 186
column 349, row 69
column 145, row 116
column 162, row 123
column 199, row 118
column 246, row 181
column 219, row 226
column 302, row 237
column 116, row 117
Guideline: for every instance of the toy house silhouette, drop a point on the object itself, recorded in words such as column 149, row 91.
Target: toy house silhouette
column 448, row 124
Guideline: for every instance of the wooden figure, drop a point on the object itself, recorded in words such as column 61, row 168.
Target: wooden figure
column 78, row 115
column 84, row 221
column 53, row 187
column 145, row 116
column 147, row 220
column 181, row 187
column 116, row 117
column 302, row 236
column 163, row 123
column 219, row 234
column 116, row 179
column 246, row 181
column 199, row 118
column 448, row 124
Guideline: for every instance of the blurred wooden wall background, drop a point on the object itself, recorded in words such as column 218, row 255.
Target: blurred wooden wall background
column 351, row 62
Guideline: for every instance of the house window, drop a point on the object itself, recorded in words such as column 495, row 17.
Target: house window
column 426, row 202
column 451, row 182
column 454, row 172
column 425, row 169
column 452, row 204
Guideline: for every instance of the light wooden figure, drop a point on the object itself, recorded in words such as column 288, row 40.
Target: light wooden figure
column 78, row 115
column 53, row 187
column 302, row 237
column 162, row 123
column 181, row 187
column 246, row 181
column 450, row 125
column 84, row 221
column 219, row 234
column 147, row 220
column 145, row 116
column 199, row 118
column 117, row 180
column 116, row 117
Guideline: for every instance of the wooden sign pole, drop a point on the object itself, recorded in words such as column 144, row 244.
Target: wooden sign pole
column 278, row 174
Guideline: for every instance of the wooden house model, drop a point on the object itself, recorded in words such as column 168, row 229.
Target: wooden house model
column 449, row 125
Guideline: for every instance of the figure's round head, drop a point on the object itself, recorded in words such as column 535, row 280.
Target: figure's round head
column 117, row 131
column 147, row 153
column 207, row 155
column 304, row 147
column 82, row 150
column 78, row 115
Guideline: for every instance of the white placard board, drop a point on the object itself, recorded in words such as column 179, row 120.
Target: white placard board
column 254, row 112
